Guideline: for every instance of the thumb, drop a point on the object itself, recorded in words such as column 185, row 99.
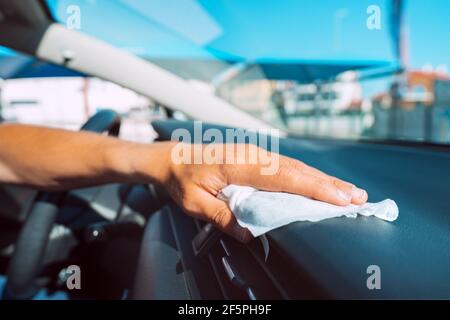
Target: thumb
column 217, row 212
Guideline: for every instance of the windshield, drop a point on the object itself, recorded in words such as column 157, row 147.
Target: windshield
column 341, row 69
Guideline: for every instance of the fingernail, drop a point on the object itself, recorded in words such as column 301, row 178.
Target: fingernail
column 343, row 195
column 358, row 193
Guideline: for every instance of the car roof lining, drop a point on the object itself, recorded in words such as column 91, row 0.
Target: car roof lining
column 27, row 11
column 27, row 17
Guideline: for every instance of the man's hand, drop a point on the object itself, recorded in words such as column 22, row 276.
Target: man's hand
column 53, row 159
column 195, row 187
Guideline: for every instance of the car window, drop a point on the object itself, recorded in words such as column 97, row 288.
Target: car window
column 35, row 92
column 357, row 75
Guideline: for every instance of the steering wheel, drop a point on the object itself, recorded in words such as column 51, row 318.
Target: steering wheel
column 29, row 251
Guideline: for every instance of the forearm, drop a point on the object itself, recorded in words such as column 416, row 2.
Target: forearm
column 54, row 159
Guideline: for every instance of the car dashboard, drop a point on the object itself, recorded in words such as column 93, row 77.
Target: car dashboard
column 330, row 259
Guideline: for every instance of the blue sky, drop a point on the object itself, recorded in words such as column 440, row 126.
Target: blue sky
column 264, row 29
column 429, row 29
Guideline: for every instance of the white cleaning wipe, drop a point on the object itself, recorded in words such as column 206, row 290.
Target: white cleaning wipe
column 261, row 211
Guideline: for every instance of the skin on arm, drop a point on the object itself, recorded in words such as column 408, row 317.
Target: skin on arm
column 54, row 159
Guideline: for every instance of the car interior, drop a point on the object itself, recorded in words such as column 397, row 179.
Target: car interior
column 134, row 242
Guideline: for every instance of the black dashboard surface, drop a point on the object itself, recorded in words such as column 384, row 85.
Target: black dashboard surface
column 413, row 252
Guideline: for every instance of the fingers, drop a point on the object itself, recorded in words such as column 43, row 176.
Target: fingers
column 296, row 177
column 322, row 189
column 359, row 196
column 217, row 212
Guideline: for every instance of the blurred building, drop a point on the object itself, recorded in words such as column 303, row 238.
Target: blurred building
column 423, row 87
column 422, row 111
column 67, row 102
column 343, row 94
column 338, row 96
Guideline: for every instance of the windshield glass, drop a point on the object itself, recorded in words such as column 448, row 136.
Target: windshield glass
column 341, row 69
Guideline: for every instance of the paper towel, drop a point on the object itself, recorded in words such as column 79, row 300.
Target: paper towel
column 262, row 211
